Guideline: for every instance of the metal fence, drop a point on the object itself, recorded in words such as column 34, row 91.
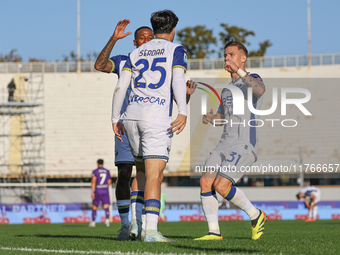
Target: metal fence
column 193, row 64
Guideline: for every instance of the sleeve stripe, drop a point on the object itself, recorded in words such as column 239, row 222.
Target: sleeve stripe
column 178, row 66
column 113, row 65
column 127, row 69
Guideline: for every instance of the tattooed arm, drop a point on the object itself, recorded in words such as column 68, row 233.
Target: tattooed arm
column 251, row 82
column 102, row 63
column 256, row 85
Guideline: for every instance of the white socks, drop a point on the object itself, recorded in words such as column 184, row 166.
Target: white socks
column 313, row 213
column 242, row 202
column 210, row 208
column 235, row 196
column 152, row 208
column 137, row 203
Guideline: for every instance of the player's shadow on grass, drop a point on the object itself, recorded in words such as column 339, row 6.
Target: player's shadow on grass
column 179, row 237
column 215, row 249
column 70, row 236
column 75, row 226
column 320, row 222
column 237, row 238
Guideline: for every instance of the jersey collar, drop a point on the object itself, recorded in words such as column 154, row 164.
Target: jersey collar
column 160, row 38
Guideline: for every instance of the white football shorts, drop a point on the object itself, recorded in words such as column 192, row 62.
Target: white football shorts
column 230, row 165
column 148, row 139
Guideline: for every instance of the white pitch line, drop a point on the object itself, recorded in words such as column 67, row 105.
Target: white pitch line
column 94, row 252
column 65, row 251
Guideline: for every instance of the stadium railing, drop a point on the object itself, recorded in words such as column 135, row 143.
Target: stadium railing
column 193, row 64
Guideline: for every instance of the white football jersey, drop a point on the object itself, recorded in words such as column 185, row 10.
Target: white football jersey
column 151, row 64
column 308, row 190
column 239, row 133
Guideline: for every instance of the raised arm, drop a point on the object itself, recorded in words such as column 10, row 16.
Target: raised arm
column 103, row 63
column 251, row 82
column 256, row 85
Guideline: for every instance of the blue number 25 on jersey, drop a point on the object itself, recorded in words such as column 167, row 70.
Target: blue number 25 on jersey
column 154, row 68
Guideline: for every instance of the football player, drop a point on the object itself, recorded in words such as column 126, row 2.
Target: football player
column 311, row 196
column 123, row 157
column 238, row 145
column 100, row 182
column 157, row 71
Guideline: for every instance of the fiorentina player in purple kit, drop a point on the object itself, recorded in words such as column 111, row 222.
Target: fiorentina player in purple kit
column 101, row 180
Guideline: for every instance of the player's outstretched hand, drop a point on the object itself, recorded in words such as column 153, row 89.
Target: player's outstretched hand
column 92, row 195
column 179, row 124
column 208, row 118
column 119, row 31
column 118, row 129
column 191, row 87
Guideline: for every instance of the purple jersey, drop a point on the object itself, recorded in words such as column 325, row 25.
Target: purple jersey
column 103, row 176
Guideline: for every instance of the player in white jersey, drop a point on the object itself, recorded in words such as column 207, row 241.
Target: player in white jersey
column 237, row 147
column 156, row 72
column 123, row 157
column 311, row 196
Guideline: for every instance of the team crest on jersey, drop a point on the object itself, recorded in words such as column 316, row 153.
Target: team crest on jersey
column 185, row 58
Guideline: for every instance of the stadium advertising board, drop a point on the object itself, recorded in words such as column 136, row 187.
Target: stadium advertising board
column 72, row 213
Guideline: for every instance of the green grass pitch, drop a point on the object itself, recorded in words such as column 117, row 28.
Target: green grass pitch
column 280, row 237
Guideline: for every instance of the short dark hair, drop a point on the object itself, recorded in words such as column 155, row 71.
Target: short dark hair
column 100, row 161
column 137, row 30
column 298, row 195
column 163, row 21
column 239, row 45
